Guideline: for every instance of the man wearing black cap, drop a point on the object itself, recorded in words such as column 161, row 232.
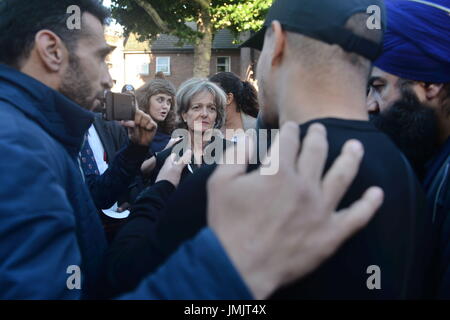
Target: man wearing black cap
column 314, row 67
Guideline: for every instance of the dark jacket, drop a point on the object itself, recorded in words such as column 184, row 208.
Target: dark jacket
column 437, row 186
column 48, row 221
column 112, row 135
column 159, row 142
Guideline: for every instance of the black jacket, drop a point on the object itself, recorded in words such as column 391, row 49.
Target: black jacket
column 437, row 186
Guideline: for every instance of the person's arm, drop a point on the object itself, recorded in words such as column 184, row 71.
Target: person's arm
column 132, row 255
column 37, row 223
column 199, row 270
column 115, row 181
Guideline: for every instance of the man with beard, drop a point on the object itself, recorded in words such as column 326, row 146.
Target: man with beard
column 314, row 66
column 410, row 123
column 51, row 242
column 409, row 99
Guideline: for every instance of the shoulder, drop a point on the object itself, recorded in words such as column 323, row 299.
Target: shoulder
column 248, row 121
column 17, row 129
column 112, row 126
column 25, row 145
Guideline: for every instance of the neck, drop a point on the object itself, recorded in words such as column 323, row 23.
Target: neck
column 304, row 102
column 233, row 121
column 33, row 68
column 198, row 141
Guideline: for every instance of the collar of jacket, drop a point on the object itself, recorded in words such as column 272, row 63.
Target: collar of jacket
column 62, row 118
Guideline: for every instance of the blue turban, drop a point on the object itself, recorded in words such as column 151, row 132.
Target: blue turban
column 417, row 41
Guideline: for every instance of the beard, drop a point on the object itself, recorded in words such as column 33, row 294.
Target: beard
column 268, row 113
column 412, row 126
column 75, row 85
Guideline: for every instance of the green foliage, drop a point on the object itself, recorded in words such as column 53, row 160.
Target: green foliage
column 240, row 15
column 236, row 15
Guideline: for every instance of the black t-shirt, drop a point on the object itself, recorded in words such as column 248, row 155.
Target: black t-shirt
column 397, row 240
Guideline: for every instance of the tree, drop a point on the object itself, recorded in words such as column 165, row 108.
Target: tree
column 148, row 18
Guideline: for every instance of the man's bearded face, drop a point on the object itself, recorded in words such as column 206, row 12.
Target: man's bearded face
column 412, row 126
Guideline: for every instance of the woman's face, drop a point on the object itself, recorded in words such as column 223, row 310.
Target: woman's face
column 160, row 105
column 202, row 112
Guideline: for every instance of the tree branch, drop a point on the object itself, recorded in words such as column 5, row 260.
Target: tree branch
column 154, row 15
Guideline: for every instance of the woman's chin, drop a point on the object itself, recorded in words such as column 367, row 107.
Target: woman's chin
column 202, row 131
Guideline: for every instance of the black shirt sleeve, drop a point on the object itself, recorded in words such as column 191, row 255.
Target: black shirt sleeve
column 133, row 255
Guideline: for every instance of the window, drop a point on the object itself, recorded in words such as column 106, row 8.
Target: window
column 143, row 68
column 223, row 64
column 163, row 65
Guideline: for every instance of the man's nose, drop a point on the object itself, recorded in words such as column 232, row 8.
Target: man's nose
column 107, row 81
column 373, row 107
column 373, row 103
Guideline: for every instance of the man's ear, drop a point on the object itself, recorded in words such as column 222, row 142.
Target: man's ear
column 50, row 49
column 432, row 90
column 279, row 43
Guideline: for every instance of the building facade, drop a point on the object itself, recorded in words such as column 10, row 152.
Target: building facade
column 134, row 62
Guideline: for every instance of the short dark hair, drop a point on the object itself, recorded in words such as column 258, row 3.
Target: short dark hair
column 318, row 54
column 244, row 92
column 21, row 20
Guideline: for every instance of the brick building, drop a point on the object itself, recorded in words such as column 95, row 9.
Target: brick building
column 134, row 62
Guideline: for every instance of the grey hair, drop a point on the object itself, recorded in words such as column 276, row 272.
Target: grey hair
column 194, row 86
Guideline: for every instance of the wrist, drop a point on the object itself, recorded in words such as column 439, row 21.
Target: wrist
column 258, row 274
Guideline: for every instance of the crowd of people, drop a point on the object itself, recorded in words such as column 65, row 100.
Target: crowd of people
column 363, row 148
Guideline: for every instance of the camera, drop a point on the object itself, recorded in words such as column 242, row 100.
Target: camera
column 118, row 106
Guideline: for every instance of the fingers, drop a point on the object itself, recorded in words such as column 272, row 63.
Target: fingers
column 350, row 220
column 127, row 124
column 230, row 169
column 285, row 148
column 185, row 159
column 171, row 158
column 138, row 117
column 144, row 120
column 172, row 142
column 342, row 173
column 314, row 153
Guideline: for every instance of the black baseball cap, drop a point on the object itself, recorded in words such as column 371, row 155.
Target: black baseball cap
column 324, row 20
